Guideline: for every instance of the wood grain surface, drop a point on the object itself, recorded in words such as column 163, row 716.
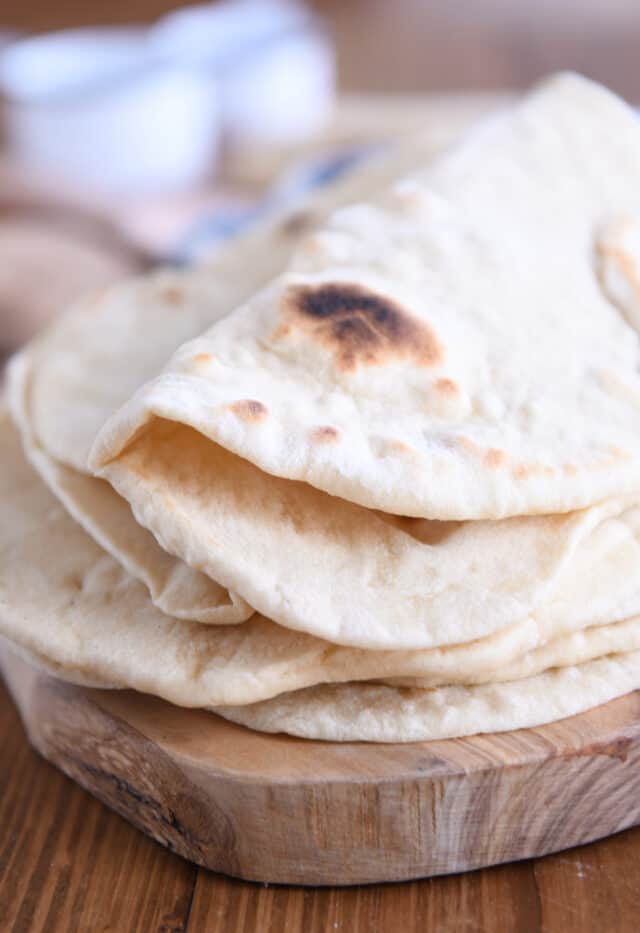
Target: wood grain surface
column 275, row 808
column 69, row 865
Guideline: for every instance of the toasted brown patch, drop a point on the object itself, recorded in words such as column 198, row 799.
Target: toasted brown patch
column 325, row 434
column 202, row 358
column 570, row 469
column 525, row 470
column 172, row 295
column 249, row 410
column 494, row 457
column 399, row 447
column 390, row 447
column 360, row 327
column 446, row 386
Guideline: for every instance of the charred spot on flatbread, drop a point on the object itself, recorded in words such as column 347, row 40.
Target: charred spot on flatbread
column 359, row 326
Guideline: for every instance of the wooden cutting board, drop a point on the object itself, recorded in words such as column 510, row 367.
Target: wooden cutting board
column 275, row 808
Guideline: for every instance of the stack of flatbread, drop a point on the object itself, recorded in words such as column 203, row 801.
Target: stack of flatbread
column 387, row 485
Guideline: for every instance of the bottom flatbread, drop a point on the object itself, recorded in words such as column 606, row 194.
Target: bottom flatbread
column 377, row 713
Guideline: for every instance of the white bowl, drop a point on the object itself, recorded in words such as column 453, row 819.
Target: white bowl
column 100, row 106
column 273, row 59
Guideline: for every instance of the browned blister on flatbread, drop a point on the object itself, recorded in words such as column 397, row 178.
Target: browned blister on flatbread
column 358, row 326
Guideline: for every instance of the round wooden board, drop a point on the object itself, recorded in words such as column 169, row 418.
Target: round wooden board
column 275, row 808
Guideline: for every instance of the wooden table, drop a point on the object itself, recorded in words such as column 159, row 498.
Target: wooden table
column 68, row 864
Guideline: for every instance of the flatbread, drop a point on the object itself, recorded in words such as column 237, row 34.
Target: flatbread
column 447, row 349
column 315, row 563
column 75, row 374
column 562, row 651
column 68, row 381
column 74, row 611
column 378, row 713
column 114, row 340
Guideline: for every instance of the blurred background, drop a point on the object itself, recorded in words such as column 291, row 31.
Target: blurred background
column 141, row 132
column 421, row 45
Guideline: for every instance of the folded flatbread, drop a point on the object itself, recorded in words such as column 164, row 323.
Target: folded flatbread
column 449, row 350
column 66, row 383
